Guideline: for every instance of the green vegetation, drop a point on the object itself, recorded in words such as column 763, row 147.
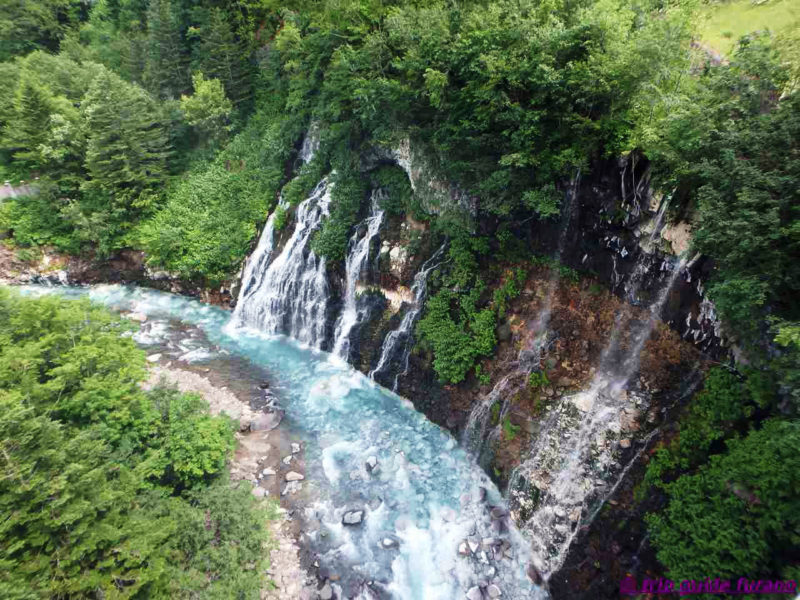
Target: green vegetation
column 722, row 24
column 738, row 515
column 210, row 216
column 172, row 126
column 108, row 489
column 348, row 190
column 538, row 379
column 510, row 431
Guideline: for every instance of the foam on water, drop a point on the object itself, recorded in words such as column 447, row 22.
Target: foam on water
column 425, row 494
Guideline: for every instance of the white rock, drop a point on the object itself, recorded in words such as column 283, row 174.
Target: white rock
column 295, row 447
column 474, row 593
column 137, row 316
column 294, row 476
column 372, row 462
column 463, row 549
column 353, row 517
column 326, row 593
column 154, row 358
column 268, row 472
column 493, row 591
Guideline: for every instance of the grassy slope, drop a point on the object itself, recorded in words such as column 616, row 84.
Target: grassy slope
column 724, row 23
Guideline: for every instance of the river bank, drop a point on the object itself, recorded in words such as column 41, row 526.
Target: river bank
column 258, row 456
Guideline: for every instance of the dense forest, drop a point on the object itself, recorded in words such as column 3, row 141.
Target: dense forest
column 106, row 488
column 173, row 127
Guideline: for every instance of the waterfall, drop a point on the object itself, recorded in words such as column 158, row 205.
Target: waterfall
column 475, row 437
column 566, row 476
column 257, row 262
column 399, row 342
column 291, row 295
column 355, row 264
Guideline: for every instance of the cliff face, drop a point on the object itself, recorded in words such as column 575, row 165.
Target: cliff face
column 638, row 304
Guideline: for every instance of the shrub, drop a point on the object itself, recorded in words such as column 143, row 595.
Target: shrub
column 347, row 193
column 738, row 515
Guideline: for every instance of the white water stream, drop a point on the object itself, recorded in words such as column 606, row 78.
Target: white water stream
column 355, row 265
column 424, row 499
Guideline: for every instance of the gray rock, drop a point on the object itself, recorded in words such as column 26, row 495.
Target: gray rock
column 266, row 422
column 326, row 593
column 353, row 517
column 474, row 593
column 493, row 591
column 294, row 476
column 371, row 463
column 473, row 545
column 498, row 512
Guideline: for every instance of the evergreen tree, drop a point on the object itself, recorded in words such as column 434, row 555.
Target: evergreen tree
column 33, row 106
column 220, row 55
column 68, row 528
column 128, row 144
column 166, row 74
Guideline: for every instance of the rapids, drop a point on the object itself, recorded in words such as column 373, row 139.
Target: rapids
column 420, row 505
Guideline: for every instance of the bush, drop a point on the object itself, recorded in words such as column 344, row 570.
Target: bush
column 347, row 193
column 739, row 514
column 399, row 195
column 714, row 414
column 205, row 229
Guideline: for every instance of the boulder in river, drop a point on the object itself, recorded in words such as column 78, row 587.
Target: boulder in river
column 326, row 593
column 353, row 517
column 371, row 463
column 493, row 591
column 498, row 512
column 474, row 593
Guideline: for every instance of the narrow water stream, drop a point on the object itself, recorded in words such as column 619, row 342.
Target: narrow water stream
column 432, row 526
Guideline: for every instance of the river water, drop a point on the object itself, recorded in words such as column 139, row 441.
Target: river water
column 426, row 500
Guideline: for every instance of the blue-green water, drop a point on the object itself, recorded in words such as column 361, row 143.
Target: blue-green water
column 425, row 494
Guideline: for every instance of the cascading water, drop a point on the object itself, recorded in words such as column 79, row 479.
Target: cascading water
column 398, row 343
column 291, row 295
column 430, row 525
column 574, row 459
column 259, row 259
column 475, row 437
column 357, row 260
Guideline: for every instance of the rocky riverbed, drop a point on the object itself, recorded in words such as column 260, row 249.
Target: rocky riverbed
column 265, row 456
